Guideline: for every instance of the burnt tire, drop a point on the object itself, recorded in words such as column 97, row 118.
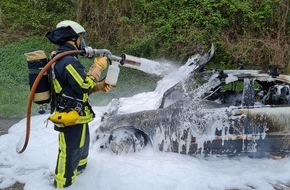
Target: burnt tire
column 127, row 141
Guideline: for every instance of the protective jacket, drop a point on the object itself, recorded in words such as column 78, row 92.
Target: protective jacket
column 72, row 86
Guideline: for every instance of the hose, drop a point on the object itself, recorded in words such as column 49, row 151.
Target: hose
column 33, row 89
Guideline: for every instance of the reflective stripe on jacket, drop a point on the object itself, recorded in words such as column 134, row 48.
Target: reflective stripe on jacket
column 70, row 80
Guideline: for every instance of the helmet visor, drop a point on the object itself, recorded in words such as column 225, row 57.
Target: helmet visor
column 83, row 40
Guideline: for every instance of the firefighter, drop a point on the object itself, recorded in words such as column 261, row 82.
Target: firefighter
column 72, row 86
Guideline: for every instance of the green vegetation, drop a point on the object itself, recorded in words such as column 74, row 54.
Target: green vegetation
column 255, row 33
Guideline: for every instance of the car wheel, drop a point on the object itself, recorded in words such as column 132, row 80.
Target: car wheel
column 127, row 141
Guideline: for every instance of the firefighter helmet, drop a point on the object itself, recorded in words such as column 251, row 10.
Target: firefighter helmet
column 75, row 26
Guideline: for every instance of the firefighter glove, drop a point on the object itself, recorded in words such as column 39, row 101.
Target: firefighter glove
column 102, row 86
column 100, row 64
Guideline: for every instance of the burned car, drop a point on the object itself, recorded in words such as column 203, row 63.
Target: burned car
column 208, row 112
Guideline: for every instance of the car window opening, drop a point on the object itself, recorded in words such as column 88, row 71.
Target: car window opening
column 250, row 92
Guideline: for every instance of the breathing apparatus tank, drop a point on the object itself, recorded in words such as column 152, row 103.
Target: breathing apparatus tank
column 113, row 74
column 36, row 61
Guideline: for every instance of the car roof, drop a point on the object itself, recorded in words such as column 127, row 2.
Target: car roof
column 259, row 75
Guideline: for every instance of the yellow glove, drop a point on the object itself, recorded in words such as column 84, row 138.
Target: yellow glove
column 102, row 86
column 100, row 64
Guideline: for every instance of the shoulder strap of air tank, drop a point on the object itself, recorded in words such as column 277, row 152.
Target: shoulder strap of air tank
column 51, row 75
column 50, row 72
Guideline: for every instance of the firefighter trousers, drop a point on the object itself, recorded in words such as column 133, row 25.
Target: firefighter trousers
column 72, row 154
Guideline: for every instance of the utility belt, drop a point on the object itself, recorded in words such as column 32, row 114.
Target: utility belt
column 71, row 111
column 67, row 103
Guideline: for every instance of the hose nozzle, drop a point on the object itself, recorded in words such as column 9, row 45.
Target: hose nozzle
column 130, row 59
column 124, row 59
column 90, row 52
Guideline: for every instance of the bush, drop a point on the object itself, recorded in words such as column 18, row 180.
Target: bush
column 20, row 19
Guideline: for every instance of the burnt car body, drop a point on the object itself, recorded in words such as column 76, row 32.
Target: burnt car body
column 217, row 112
